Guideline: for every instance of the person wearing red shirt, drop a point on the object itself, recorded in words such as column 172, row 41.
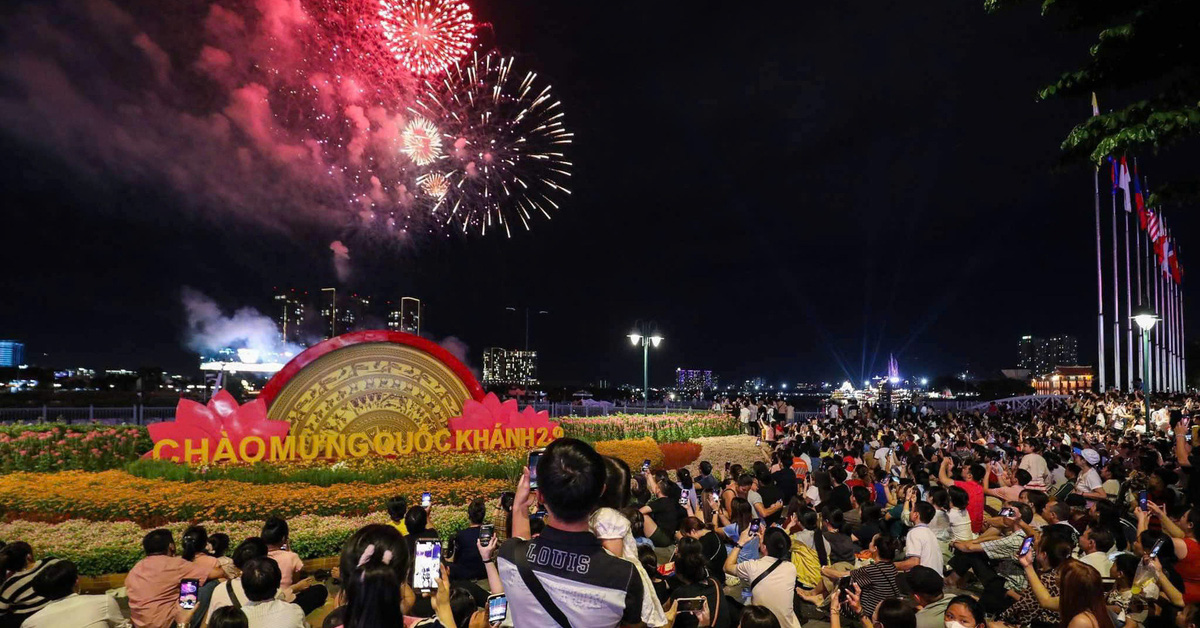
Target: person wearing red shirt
column 972, row 486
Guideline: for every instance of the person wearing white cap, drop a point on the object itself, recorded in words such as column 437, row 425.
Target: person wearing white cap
column 1089, row 485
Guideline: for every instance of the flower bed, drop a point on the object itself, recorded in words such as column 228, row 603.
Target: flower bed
column 664, row 428
column 118, row 496
column 59, row 447
column 677, row 455
column 495, row 465
column 634, row 452
column 114, row 547
column 721, row 449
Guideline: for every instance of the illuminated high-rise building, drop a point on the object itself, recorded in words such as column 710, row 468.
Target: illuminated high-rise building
column 12, row 353
column 693, row 381
column 406, row 317
column 1040, row 355
column 342, row 315
column 509, row 366
column 290, row 309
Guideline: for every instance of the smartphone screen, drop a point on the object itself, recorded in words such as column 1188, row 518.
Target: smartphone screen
column 1026, row 546
column 188, row 593
column 426, row 500
column 1157, row 546
column 690, row 605
column 497, row 607
column 486, row 532
column 758, row 442
column 645, row 465
column 1143, row 501
column 427, row 565
column 755, row 525
column 534, row 457
column 1007, row 512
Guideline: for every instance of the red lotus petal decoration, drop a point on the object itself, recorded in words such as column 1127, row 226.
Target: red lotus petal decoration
column 221, row 417
column 491, row 413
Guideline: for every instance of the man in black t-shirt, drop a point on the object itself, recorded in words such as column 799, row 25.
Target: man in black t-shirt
column 564, row 577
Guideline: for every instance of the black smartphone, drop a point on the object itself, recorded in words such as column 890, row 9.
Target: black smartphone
column 534, row 457
column 755, row 525
column 1143, row 501
column 1026, row 546
column 497, row 607
column 486, row 532
column 844, row 583
column 189, row 593
column 683, row 497
column 427, row 565
column 691, row 605
column 426, row 499
column 646, row 465
column 1007, row 512
column 1157, row 546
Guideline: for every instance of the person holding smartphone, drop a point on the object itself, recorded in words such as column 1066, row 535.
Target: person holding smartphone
column 543, row 577
column 468, row 565
column 153, row 583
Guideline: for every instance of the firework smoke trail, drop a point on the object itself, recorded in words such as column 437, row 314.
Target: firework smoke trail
column 507, row 138
column 276, row 112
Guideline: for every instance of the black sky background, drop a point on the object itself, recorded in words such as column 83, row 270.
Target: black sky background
column 788, row 190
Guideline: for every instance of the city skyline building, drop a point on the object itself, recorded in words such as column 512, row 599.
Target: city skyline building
column 1041, row 355
column 693, row 381
column 407, row 317
column 291, row 307
column 12, row 353
column 509, row 366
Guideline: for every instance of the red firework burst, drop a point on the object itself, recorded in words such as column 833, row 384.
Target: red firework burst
column 426, row 36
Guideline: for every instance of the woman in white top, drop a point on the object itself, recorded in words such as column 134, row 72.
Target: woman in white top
column 614, row 532
column 960, row 521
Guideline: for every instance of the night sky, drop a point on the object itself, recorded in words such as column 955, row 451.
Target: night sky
column 793, row 191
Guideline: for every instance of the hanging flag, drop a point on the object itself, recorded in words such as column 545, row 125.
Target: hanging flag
column 1114, row 175
column 1165, row 255
column 1138, row 200
column 1123, row 183
column 1153, row 227
column 1176, row 270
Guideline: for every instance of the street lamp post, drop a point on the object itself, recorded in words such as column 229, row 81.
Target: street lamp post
column 1145, row 319
column 645, row 335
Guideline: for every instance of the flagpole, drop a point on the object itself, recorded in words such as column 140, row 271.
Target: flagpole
column 1128, row 319
column 1116, row 337
column 1175, row 334
column 1160, row 293
column 1099, row 285
column 1137, row 243
column 1182, row 337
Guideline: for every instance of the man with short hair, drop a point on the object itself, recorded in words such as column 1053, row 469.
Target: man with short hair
column 468, row 565
column 564, row 577
column 57, row 582
column 231, row 592
column 260, row 581
column 928, row 591
column 153, row 583
column 1094, row 543
column 972, row 485
column 995, row 561
column 921, row 544
column 706, row 479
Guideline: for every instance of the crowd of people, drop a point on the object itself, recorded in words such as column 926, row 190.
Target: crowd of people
column 1068, row 516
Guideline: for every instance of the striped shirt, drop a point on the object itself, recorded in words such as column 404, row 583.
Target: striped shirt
column 16, row 594
column 878, row 583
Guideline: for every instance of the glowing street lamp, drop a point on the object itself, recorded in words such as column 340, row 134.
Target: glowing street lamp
column 645, row 335
column 1145, row 319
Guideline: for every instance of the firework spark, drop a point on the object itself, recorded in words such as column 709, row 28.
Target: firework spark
column 435, row 184
column 426, row 36
column 507, row 136
column 422, row 141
